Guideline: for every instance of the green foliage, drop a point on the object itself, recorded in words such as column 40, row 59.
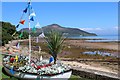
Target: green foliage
column 8, row 27
column 7, row 31
column 55, row 43
column 5, row 37
column 33, row 34
column 25, row 35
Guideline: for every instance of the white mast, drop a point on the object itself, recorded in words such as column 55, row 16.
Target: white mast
column 29, row 32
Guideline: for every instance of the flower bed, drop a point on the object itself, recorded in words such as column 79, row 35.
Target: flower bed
column 43, row 67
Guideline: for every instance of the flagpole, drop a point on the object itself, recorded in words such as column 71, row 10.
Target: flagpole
column 29, row 33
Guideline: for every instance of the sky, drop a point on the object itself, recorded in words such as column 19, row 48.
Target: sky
column 61, row 0
column 95, row 17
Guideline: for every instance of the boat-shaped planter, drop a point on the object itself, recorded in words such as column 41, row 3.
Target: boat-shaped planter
column 31, row 76
column 24, row 75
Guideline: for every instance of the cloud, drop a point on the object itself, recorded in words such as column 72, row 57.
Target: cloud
column 91, row 29
column 102, row 30
column 116, row 27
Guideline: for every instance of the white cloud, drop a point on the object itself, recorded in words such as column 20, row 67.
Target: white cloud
column 91, row 29
column 116, row 27
column 102, row 31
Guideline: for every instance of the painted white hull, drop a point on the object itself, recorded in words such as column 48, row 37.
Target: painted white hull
column 27, row 76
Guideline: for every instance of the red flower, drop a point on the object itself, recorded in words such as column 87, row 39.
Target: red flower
column 38, row 67
column 12, row 59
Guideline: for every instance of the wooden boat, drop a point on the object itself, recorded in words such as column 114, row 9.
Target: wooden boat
column 32, row 76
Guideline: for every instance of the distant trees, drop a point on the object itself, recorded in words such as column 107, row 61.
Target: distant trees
column 7, row 31
column 25, row 35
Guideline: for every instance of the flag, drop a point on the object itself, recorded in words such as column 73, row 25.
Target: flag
column 34, row 29
column 51, row 59
column 37, row 40
column 21, row 35
column 18, row 45
column 22, row 22
column 33, row 14
column 40, row 58
column 32, row 18
column 16, row 58
column 25, row 11
column 42, row 35
column 12, row 71
column 17, row 26
column 37, row 25
column 28, row 3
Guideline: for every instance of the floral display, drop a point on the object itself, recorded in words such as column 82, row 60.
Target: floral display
column 20, row 63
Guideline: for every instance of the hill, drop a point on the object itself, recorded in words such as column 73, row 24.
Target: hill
column 67, row 31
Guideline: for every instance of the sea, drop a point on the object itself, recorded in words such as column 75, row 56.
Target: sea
column 105, row 38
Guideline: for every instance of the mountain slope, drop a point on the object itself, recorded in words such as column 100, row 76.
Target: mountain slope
column 68, row 31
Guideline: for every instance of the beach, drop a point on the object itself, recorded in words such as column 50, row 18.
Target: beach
column 93, row 45
column 72, row 53
column 92, row 66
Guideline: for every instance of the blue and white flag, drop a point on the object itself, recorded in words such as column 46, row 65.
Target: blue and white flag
column 51, row 59
column 12, row 71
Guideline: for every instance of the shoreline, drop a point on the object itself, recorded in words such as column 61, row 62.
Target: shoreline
column 92, row 46
column 91, row 66
column 75, row 47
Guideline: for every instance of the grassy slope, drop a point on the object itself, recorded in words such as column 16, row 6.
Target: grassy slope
column 0, row 66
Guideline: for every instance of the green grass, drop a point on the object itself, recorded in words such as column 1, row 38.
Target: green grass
column 74, row 77
column 2, row 74
column 0, row 67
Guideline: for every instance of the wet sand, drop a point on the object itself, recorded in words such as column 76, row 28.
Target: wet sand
column 92, row 66
column 93, row 45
